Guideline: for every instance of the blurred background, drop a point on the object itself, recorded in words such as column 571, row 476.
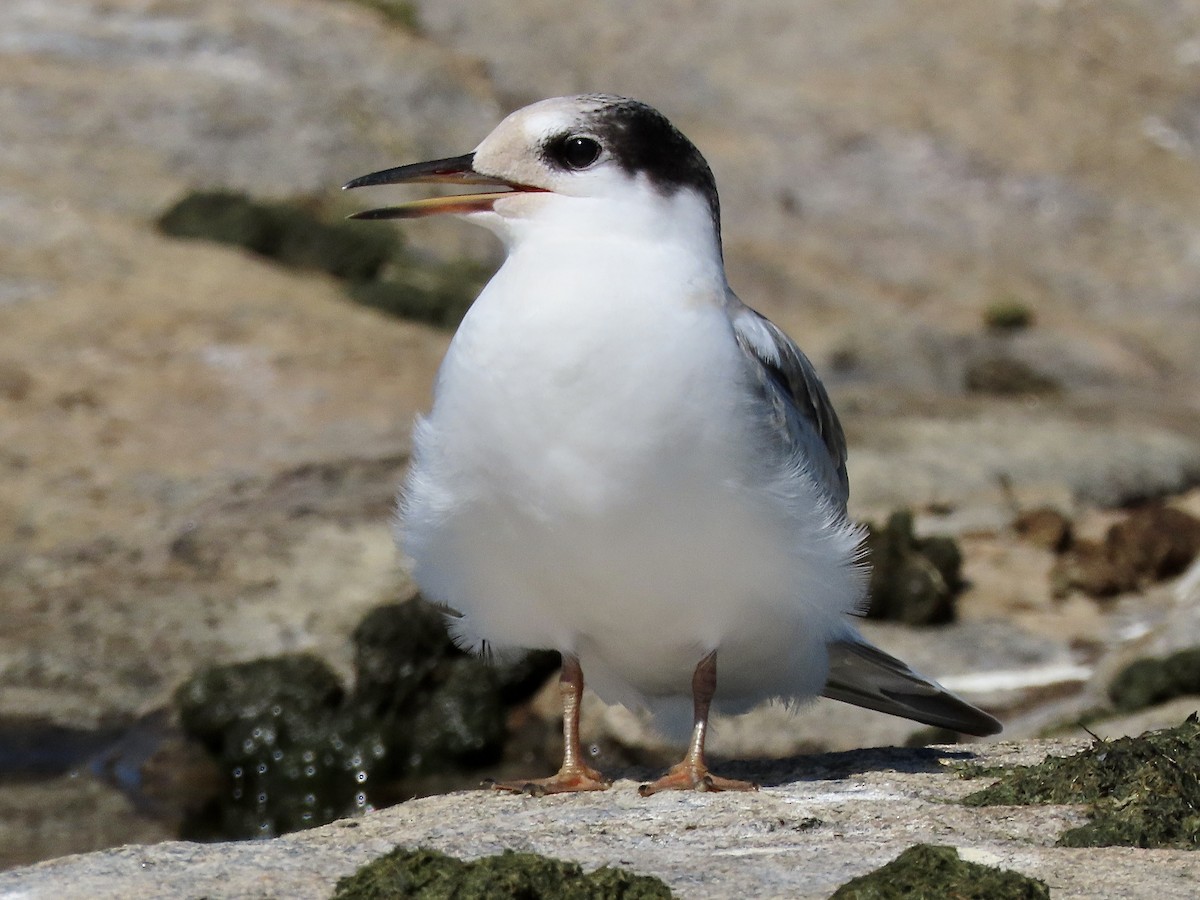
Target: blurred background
column 980, row 219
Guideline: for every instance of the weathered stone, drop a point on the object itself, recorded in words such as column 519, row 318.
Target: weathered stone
column 818, row 822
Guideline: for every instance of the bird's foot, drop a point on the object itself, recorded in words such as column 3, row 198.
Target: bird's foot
column 689, row 776
column 567, row 780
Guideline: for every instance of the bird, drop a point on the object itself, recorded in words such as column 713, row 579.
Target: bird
column 624, row 462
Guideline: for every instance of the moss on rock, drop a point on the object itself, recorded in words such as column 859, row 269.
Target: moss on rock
column 930, row 872
column 370, row 260
column 1008, row 314
column 1146, row 682
column 297, row 750
column 1143, row 791
column 429, row 875
column 286, row 233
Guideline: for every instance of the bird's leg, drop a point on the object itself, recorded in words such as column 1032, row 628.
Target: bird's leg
column 575, row 774
column 692, row 773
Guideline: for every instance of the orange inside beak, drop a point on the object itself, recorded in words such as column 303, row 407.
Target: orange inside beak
column 453, row 170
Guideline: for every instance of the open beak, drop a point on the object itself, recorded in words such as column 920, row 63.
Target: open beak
column 455, row 170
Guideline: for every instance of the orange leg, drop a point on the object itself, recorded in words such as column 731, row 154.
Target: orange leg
column 575, row 774
column 692, row 773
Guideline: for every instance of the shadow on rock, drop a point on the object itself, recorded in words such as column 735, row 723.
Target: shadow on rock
column 833, row 766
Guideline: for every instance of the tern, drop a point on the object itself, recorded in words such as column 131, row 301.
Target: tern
column 625, row 463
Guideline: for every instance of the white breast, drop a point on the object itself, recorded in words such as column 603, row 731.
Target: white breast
column 588, row 481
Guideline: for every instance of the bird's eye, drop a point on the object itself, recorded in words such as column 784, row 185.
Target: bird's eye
column 578, row 152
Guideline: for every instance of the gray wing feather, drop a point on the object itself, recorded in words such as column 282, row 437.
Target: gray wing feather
column 803, row 415
column 862, row 674
column 803, row 411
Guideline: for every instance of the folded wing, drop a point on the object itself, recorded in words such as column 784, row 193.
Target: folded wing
column 862, row 674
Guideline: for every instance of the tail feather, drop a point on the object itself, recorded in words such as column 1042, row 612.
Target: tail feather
column 862, row 674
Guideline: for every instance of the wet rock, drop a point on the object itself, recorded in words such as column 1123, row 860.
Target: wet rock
column 398, row 648
column 927, row 870
column 289, row 756
column 1044, row 527
column 461, row 724
column 520, row 876
column 913, row 580
column 297, row 750
column 1143, row 791
column 1151, row 544
column 219, row 697
column 1147, row 682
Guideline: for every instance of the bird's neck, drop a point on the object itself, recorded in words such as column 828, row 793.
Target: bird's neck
column 678, row 230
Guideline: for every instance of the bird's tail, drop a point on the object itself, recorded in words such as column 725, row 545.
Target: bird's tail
column 862, row 674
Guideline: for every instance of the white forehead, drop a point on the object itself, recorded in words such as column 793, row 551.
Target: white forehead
column 554, row 116
column 511, row 149
column 533, row 124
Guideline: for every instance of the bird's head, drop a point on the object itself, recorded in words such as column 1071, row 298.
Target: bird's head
column 582, row 166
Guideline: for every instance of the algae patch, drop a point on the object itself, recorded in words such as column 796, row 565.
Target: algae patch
column 298, row 750
column 1008, row 314
column 1143, row 791
column 929, row 871
column 429, row 875
column 1147, row 682
column 373, row 264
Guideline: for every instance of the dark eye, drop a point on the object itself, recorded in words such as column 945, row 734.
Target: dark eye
column 578, row 152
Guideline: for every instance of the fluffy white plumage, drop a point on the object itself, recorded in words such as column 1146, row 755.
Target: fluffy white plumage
column 623, row 462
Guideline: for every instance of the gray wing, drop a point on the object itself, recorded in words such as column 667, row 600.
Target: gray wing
column 803, row 413
column 862, row 674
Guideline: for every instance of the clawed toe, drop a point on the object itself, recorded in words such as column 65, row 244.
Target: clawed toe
column 688, row 777
column 566, row 781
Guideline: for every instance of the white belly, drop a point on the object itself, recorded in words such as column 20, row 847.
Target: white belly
column 588, row 481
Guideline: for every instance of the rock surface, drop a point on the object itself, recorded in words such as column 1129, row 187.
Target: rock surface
column 818, row 822
column 199, row 449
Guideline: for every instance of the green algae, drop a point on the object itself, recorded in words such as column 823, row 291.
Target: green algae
column 373, row 264
column 1008, row 314
column 297, row 750
column 286, row 233
column 930, row 872
column 292, row 754
column 429, row 875
column 1147, row 682
column 1143, row 791
column 402, row 13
